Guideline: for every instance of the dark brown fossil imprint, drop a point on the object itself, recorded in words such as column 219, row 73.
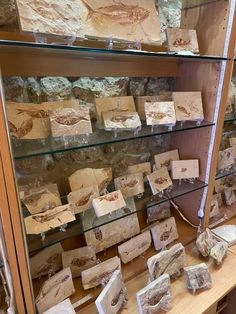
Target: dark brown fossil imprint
column 35, row 197
column 56, row 284
column 103, row 276
column 180, row 42
column 103, row 184
column 165, row 235
column 158, row 115
column 48, row 217
column 35, row 114
column 160, row 180
column 70, row 120
column 155, row 299
column 48, row 264
column 118, row 297
column 109, row 198
column 184, row 169
column 23, row 130
column 79, row 262
column 182, row 109
column 121, row 118
column 98, row 234
column 84, row 200
column 131, row 184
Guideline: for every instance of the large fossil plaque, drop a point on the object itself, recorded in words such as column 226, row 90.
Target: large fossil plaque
column 130, row 185
column 184, row 169
column 160, row 113
column 159, row 180
column 182, row 40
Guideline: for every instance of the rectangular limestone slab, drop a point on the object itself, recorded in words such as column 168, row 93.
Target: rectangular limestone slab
column 122, row 104
column 79, row 259
column 41, row 199
column 226, row 158
column 184, row 169
column 113, row 296
column 121, row 120
column 182, row 40
column 50, row 219
column 46, row 261
column 108, row 203
column 158, row 212
column 86, row 177
column 82, row 199
column 130, row 185
column 170, row 261
column 188, row 106
column 164, row 159
column 164, row 233
column 140, row 103
column 159, row 180
column 134, row 247
column 100, row 273
column 198, row 277
column 226, row 233
column 70, row 122
column 54, row 290
column 64, row 307
column 160, row 113
column 144, row 168
column 155, row 297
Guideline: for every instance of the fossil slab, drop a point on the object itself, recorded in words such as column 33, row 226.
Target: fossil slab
column 215, row 205
column 226, row 233
column 121, row 120
column 164, row 159
column 140, row 104
column 41, row 199
column 182, row 40
column 229, row 196
column 158, row 212
column 64, row 307
column 160, row 113
column 108, row 203
column 144, row 168
column 120, row 104
column 104, row 234
column 159, row 180
column 184, row 169
column 232, row 141
column 130, row 185
column 226, row 158
column 113, row 296
column 134, row 247
column 51, row 219
column 198, row 277
column 82, row 199
column 100, row 273
column 86, row 177
column 164, row 233
column 205, row 242
column 170, row 261
column 54, row 290
column 70, row 122
column 46, row 261
column 156, row 297
column 188, row 106
column 219, row 251
column 79, row 259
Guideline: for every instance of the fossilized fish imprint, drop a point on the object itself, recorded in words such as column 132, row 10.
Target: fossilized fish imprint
column 79, row 262
column 121, row 118
column 180, row 42
column 23, row 130
column 184, row 169
column 35, row 197
column 70, row 119
column 109, row 198
column 48, row 217
column 158, row 115
column 165, row 235
column 119, row 297
column 130, row 184
column 98, row 234
column 35, row 114
column 154, row 300
column 48, row 265
column 104, row 276
column 160, row 180
column 84, row 200
column 182, row 109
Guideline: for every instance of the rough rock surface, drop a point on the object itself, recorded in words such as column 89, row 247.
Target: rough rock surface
column 33, row 89
column 205, row 242
column 219, row 251
column 137, row 86
column 55, row 88
column 156, row 85
column 14, row 88
column 8, row 14
column 198, row 277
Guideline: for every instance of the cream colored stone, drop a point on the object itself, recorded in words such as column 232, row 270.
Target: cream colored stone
column 121, row 120
column 159, row 180
column 140, row 103
column 184, row 169
column 164, row 159
column 160, row 113
column 130, row 185
column 198, row 277
column 182, row 40
column 64, row 307
column 226, row 233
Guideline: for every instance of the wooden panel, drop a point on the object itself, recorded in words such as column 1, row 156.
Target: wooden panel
column 210, row 22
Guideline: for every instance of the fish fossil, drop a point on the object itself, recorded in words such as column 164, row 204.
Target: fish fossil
column 103, row 184
column 103, row 276
column 121, row 118
column 130, row 184
column 160, row 180
column 165, row 235
column 48, row 217
column 35, row 114
column 180, row 42
column 55, row 284
column 182, row 109
column 158, row 115
column 98, row 234
column 69, row 120
column 23, row 130
column 84, row 199
column 155, row 299
column 35, row 197
column 122, row 14
column 109, row 198
column 184, row 169
column 80, row 262
column 45, row 268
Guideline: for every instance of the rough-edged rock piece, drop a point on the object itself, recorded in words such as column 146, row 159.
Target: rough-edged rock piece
column 32, row 88
column 55, row 88
column 64, row 307
column 219, row 251
column 158, row 212
column 100, row 273
column 113, row 296
column 134, row 247
column 14, row 88
column 205, row 242
column 170, row 261
column 198, row 277
column 155, row 297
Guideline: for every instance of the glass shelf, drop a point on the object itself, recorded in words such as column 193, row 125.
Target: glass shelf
column 230, row 118
column 91, row 52
column 88, row 221
column 31, row 148
column 226, row 173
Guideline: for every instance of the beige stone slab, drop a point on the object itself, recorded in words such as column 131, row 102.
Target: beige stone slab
column 41, row 199
column 182, row 40
column 134, row 247
column 188, row 106
column 100, row 273
column 46, row 261
column 164, row 233
column 219, row 251
column 232, row 141
column 122, row 104
column 170, row 261
column 130, row 185
column 229, row 196
column 198, row 277
column 82, row 199
column 54, row 290
column 64, row 307
column 164, row 159
column 113, row 296
column 70, row 122
column 160, row 113
column 159, row 180
column 86, row 177
column 108, row 203
column 79, row 259
column 121, row 120
column 226, row 233
column 158, row 212
column 184, row 169
column 144, row 168
column 50, row 219
column 226, row 158
column 140, row 103
column 155, row 297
